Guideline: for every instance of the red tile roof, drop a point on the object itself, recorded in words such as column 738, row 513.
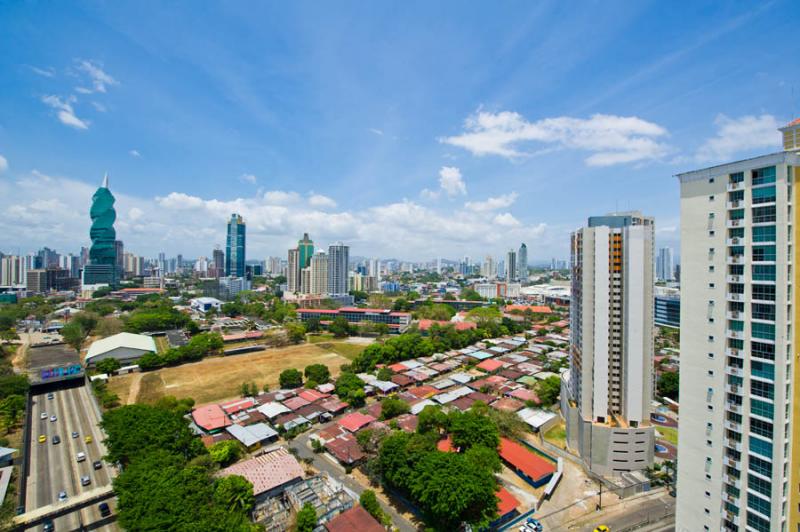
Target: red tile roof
column 525, row 395
column 398, row 367
column 354, row 519
column 334, row 404
column 295, row 402
column 446, row 445
column 210, row 417
column 232, row 407
column 345, row 448
column 407, row 422
column 313, row 395
column 267, row 471
column 355, row 421
column 509, row 404
column 402, row 380
column 524, row 460
column 423, row 392
column 533, row 308
column 490, row 365
column 508, row 503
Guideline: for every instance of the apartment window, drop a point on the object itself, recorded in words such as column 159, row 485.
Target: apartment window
column 711, row 233
column 762, row 428
column 736, row 177
column 763, row 311
column 757, row 523
column 763, row 253
column 763, row 272
column 736, row 195
column 759, row 505
column 765, row 331
column 762, row 350
column 711, row 198
column 760, row 466
column 764, row 195
column 710, row 179
column 761, row 408
column 764, row 233
column 759, row 485
column 763, row 214
column 762, row 389
column 762, row 369
column 711, row 268
column 711, row 373
column 711, row 285
column 711, row 215
column 736, row 214
column 710, row 337
column 763, row 176
column 764, row 292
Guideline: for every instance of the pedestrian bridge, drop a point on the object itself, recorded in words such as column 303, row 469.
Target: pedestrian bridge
column 51, row 511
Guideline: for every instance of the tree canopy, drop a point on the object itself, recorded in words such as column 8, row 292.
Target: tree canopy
column 318, row 373
column 290, row 378
column 668, row 385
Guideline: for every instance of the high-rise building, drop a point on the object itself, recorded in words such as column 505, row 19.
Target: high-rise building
column 102, row 267
column 319, row 271
column 274, row 266
column 217, row 263
column 665, row 270
column 374, row 268
column 12, row 271
column 119, row 249
column 36, row 281
column 487, row 269
column 305, row 250
column 739, row 441
column 293, row 271
column 522, row 263
column 235, row 247
column 338, row 260
column 511, row 266
column 606, row 394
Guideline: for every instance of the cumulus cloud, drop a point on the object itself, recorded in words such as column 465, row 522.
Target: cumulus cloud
column 3, row 164
column 735, row 135
column 55, row 212
column 99, row 79
column 65, row 112
column 609, row 139
column 451, row 182
column 135, row 153
column 492, row 204
column 321, row 202
column 248, row 178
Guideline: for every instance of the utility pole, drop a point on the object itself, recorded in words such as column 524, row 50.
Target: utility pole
column 600, row 501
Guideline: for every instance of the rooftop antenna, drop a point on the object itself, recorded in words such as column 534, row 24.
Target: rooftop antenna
column 105, row 180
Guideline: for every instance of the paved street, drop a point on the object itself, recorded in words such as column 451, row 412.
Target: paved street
column 655, row 507
column 324, row 463
column 54, row 467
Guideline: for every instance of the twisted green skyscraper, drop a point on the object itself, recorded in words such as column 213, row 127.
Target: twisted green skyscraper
column 102, row 267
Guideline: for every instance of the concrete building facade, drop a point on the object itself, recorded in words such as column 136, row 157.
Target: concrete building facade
column 606, row 394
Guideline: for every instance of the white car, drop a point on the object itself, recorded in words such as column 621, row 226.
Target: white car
column 53, row 418
column 43, row 415
column 81, row 457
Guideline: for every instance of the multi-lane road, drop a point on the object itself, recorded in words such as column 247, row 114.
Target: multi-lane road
column 54, row 467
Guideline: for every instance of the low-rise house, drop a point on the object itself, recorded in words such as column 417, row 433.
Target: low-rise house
column 355, row 421
column 270, row 473
column 407, row 422
column 345, row 449
column 354, row 519
column 253, row 436
column 125, row 347
column 530, row 466
column 313, row 395
column 211, row 418
column 334, row 405
column 272, row 410
column 295, row 402
column 507, row 404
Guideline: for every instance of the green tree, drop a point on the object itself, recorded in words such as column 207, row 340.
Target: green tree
column 313, row 325
column 108, row 365
column 13, row 384
column 548, row 389
column 484, row 316
column 235, row 493
column 319, row 373
column 369, row 501
column 226, row 452
column 296, row 332
column 74, row 335
column 306, row 519
column 290, row 378
column 392, row 407
column 339, row 327
column 668, row 385
column 431, row 419
column 470, row 428
column 470, row 295
column 350, row 388
column 385, row 374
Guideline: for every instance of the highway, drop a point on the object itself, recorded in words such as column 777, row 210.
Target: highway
column 54, row 467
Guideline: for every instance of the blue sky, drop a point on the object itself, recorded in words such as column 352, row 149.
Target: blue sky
column 407, row 130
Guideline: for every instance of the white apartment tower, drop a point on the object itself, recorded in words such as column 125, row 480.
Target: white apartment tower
column 338, row 260
column 318, row 271
column 739, row 439
column 606, row 394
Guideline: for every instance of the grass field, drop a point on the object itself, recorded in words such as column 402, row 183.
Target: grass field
column 319, row 338
column 162, row 344
column 218, row 378
column 349, row 351
column 557, row 435
column 669, row 433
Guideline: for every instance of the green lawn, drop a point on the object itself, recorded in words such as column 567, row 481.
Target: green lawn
column 669, row 433
column 557, row 435
column 349, row 351
column 318, row 338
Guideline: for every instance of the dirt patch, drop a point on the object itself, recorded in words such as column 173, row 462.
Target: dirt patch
column 218, row 378
column 347, row 350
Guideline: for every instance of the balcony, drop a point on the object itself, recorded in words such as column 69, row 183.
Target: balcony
column 735, row 241
column 733, row 481
column 732, row 518
column 734, row 388
column 734, row 297
column 735, row 278
column 739, row 185
column 732, row 425
column 735, row 259
column 730, row 224
column 733, row 371
column 730, row 498
column 733, row 352
column 735, row 315
column 733, row 444
column 737, row 335
column 736, row 204
column 736, row 409
column 730, row 462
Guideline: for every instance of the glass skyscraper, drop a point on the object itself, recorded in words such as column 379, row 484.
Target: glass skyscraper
column 102, row 267
column 235, row 247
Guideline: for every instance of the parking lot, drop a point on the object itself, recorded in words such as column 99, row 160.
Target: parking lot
column 54, row 467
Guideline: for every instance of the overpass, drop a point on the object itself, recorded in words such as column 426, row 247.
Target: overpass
column 51, row 511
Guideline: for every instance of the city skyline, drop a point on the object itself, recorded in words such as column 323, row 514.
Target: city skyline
column 179, row 173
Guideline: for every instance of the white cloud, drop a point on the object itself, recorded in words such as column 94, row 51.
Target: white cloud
column 47, row 72
column 429, row 194
column 135, row 153
column 99, row 78
column 610, row 139
column 248, row 178
column 47, row 210
column 451, row 182
column 3, row 164
column 83, row 90
column 741, row 134
column 320, row 201
column 492, row 204
column 376, row 131
column 99, row 107
column 66, row 114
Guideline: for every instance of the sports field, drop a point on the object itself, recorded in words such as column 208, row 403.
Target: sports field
column 217, row 378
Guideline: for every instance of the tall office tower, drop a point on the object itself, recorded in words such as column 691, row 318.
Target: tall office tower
column 305, row 249
column 102, row 267
column 46, row 257
column 739, row 441
column 217, row 262
column 305, row 280
column 119, row 249
column 374, row 267
column 36, row 281
column 12, row 270
column 84, row 256
column 235, row 247
column 319, row 271
column 487, row 268
column 606, row 394
column 511, row 265
column 338, row 260
column 522, row 263
column 274, row 265
column 293, row 271
column 665, row 271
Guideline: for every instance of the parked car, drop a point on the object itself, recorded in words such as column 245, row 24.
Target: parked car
column 56, row 440
column 81, row 456
column 105, row 511
column 535, row 524
column 62, row 496
column 97, row 464
column 85, row 480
